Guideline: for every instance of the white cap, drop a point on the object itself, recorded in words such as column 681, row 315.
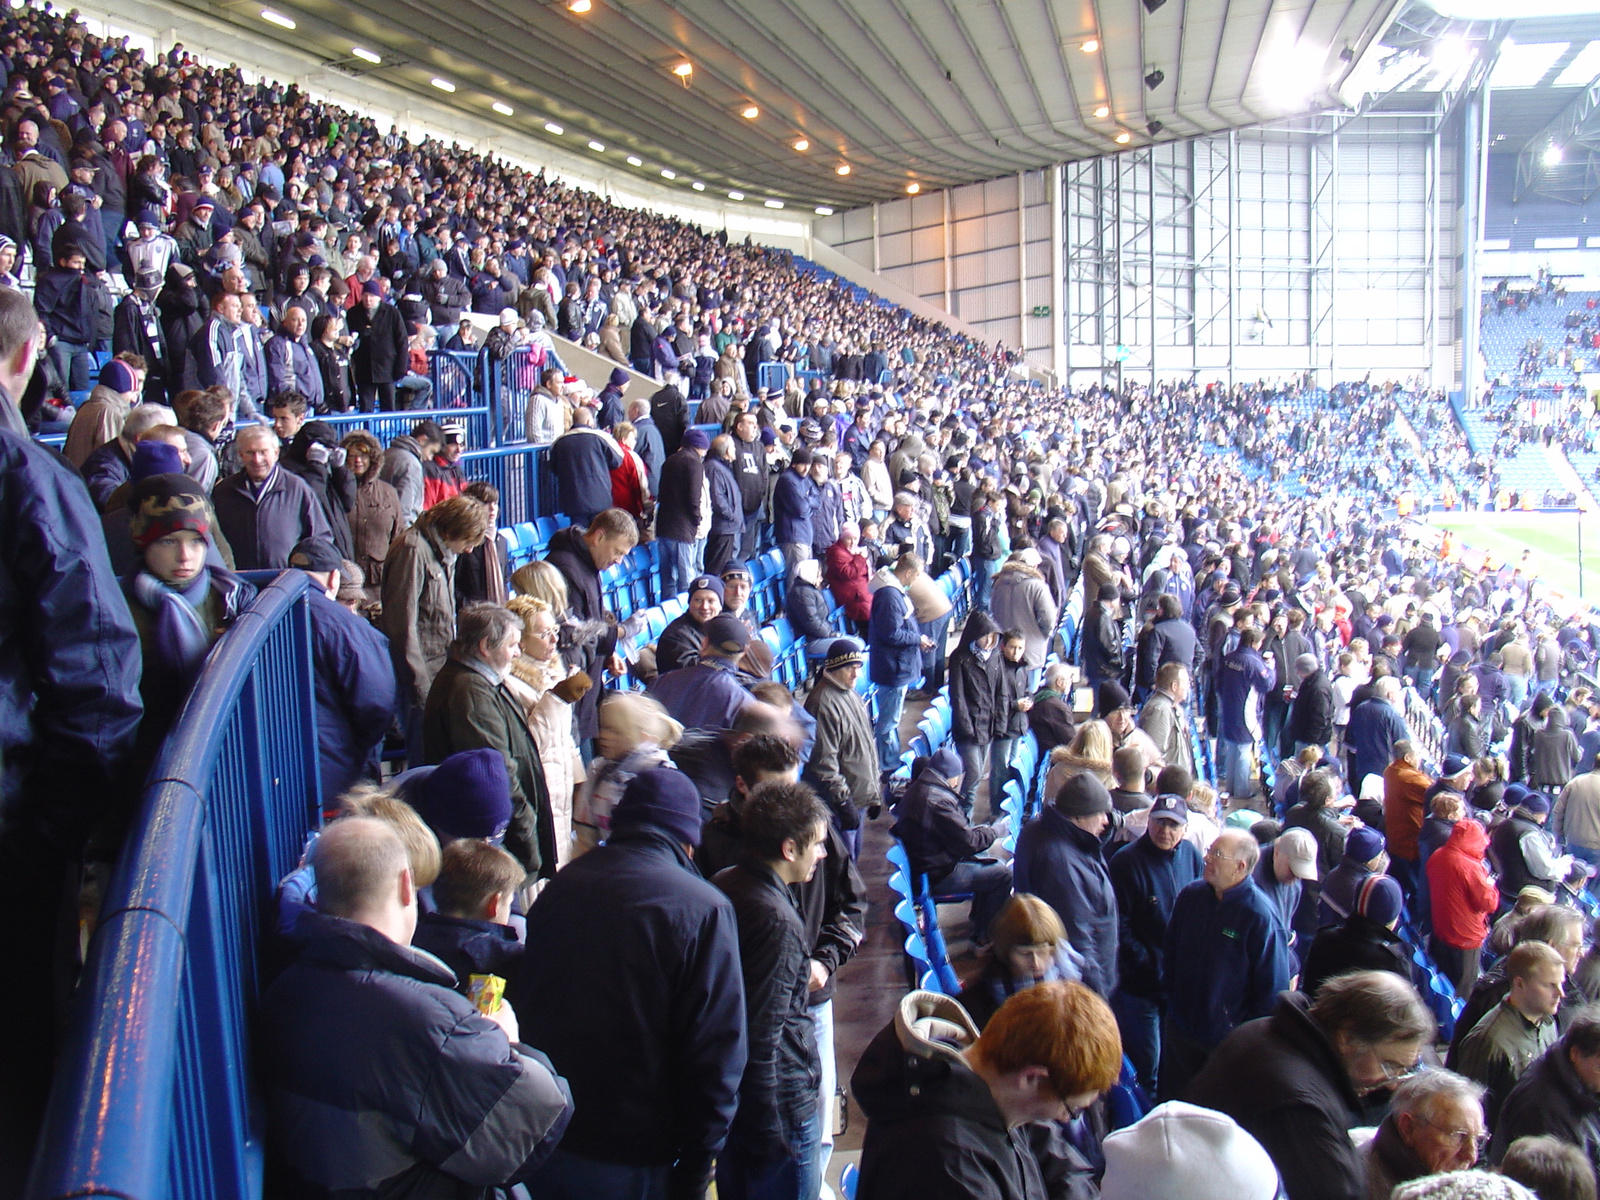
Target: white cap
column 1183, row 1152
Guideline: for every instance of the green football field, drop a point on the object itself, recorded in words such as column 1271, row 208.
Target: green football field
column 1553, row 538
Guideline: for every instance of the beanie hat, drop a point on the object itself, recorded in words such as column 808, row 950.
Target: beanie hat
column 1536, row 804
column 1180, row 1151
column 373, row 287
column 163, row 504
column 696, row 439
column 508, row 316
column 618, row 376
column 1083, row 796
column 118, row 376
column 1231, row 594
column 663, row 797
column 1462, row 1185
column 707, row 583
column 155, row 458
column 946, row 763
column 1514, row 794
column 842, row 652
column 1454, row 764
column 1379, row 899
column 769, row 436
column 468, row 795
column 727, row 635
column 1111, row 696
column 1108, row 592
column 801, row 457
column 1363, row 844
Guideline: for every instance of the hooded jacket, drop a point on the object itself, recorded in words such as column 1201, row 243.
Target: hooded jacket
column 934, row 1131
column 847, row 575
column 975, row 685
column 1063, row 865
column 1461, row 897
column 1555, row 752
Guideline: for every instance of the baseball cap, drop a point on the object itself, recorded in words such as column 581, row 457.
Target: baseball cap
column 1169, row 807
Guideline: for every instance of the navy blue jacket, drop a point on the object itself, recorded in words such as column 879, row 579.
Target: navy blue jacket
column 1147, row 881
column 631, row 983
column 108, row 468
column 727, row 506
column 794, row 501
column 894, row 638
column 1226, row 960
column 69, row 655
column 1172, row 640
column 356, row 693
column 1240, row 673
column 1063, row 866
column 468, row 947
column 582, row 459
column 1374, row 728
column 383, row 1081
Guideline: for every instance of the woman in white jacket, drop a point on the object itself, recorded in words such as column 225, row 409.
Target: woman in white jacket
column 547, row 687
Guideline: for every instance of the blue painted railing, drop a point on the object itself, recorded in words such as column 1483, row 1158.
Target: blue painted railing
column 153, row 1095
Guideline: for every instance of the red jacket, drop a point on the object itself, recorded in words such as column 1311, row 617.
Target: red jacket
column 1459, row 889
column 847, row 580
column 629, row 486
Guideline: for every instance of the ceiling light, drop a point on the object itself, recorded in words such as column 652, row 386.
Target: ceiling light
column 634, row 161
column 598, row 147
column 444, row 85
column 1552, row 155
column 698, row 186
column 802, row 145
column 1154, row 80
column 365, row 55
column 552, row 127
column 735, row 195
column 501, row 107
column 824, row 211
column 1347, row 55
column 913, row 188
column 773, row 203
column 684, row 71
column 579, row 6
column 1150, row 6
column 751, row 113
column 1090, row 46
column 1103, row 112
column 1123, row 138
column 842, row 169
column 276, row 18
column 1154, row 127
column 666, row 174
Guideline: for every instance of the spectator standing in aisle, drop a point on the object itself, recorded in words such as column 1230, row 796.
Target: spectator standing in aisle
column 582, row 460
column 678, row 505
column 263, row 510
column 794, row 502
column 843, row 765
column 381, row 357
column 896, row 643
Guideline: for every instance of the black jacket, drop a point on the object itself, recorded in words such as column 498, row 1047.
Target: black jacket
column 779, row 1087
column 975, row 685
column 569, row 554
column 381, row 355
column 936, row 834
column 670, row 412
column 1172, row 640
column 1147, row 881
column 1101, row 644
column 1360, row 944
column 678, row 500
column 807, row 610
column 679, row 644
column 1311, row 715
column 1281, row 1078
column 631, row 983
column 1550, row 1099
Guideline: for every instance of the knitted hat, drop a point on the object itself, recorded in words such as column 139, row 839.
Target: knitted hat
column 696, row 439
column 155, row 458
column 373, row 287
column 1231, row 594
column 946, row 763
column 468, row 795
column 1462, row 1185
column 1536, row 804
column 149, row 216
column 1363, row 845
column 1299, row 849
column 1111, row 696
column 801, row 457
column 315, row 554
column 1108, row 592
column 618, row 376
column 1083, row 796
column 1169, row 808
column 663, row 797
column 1379, row 899
column 1514, row 794
column 842, row 652
column 508, row 316
column 163, row 504
column 1180, row 1151
column 707, row 583
column 769, row 436
column 1454, row 764
column 735, row 570
column 727, row 635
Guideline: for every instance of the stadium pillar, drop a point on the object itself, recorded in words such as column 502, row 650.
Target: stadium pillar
column 1058, row 309
column 1474, row 121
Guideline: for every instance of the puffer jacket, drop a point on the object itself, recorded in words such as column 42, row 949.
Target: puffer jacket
column 354, row 1118
column 975, row 685
column 1459, row 891
column 419, row 608
column 847, row 575
column 807, row 610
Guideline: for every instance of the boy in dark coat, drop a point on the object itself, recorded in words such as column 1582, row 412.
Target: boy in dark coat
column 468, row 930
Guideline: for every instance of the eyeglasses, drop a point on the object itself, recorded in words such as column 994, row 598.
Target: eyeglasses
column 1217, row 856
column 1393, row 1072
column 1480, row 1141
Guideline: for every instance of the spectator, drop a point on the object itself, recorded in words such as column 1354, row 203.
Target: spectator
column 469, row 1109
column 1179, row 1149
column 1434, row 1125
column 469, row 930
column 1559, row 1096
column 843, row 764
column 650, row 1033
column 1555, row 752
column 1523, row 850
column 1059, row 859
column 1509, row 1037
column 1549, row 1168
column 381, row 357
column 580, row 554
column 847, row 575
column 99, row 419
column 109, row 467
column 794, row 502
column 679, row 511
column 1462, row 898
column 263, row 510
column 1363, row 858
column 680, row 642
column 1405, row 790
column 1576, row 821
column 727, row 507
column 1375, row 726
column 1164, row 717
column 974, row 695
column 1311, row 713
column 1243, row 678
column 707, row 695
column 806, row 608
column 1021, row 601
column 1028, row 947
column 375, row 521
column 1363, row 941
column 896, row 642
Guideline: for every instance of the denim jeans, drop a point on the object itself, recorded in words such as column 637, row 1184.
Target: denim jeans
column 1516, row 690
column 418, row 390
column 568, row 1177
column 999, row 772
column 975, row 761
column 677, row 567
column 822, row 1032
column 990, row 885
column 71, row 362
column 1139, row 1022
column 752, row 534
column 791, row 1176
column 886, row 725
column 1233, row 767
column 933, row 659
column 983, row 572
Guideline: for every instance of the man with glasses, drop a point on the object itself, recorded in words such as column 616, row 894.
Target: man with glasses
column 1519, row 1029
column 1226, row 959
column 1435, row 1125
column 1297, row 1080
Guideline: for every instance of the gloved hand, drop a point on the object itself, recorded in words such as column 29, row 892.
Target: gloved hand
column 337, row 455
column 317, row 453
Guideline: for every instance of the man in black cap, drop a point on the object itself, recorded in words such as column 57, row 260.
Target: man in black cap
column 648, row 1025
column 843, row 766
column 1059, row 860
column 708, row 695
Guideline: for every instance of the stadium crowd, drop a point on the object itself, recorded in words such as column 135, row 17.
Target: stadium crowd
column 586, row 943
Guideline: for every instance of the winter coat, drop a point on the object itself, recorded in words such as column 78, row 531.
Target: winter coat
column 650, row 1034
column 263, row 525
column 549, row 719
column 374, row 524
column 806, row 608
column 670, row 412
column 1146, row 881
column 105, row 470
column 1550, row 1100
column 794, row 502
column 582, row 460
column 727, row 508
column 847, row 575
column 678, row 500
column 1241, row 676
column 1555, row 753
column 356, row 694
column 1510, row 843
column 1064, row 866
column 468, row 947
column 843, row 765
column 1283, row 1081
column 935, row 832
column 1360, row 944
column 781, row 1071
column 1498, row 1050
column 98, row 421
column 381, row 354
column 1461, row 897
column 402, row 470
column 1226, row 959
column 1405, row 791
column 894, row 639
column 466, row 710
column 419, row 608
column 975, row 685
column 1311, row 714
column 706, row 695
column 1167, row 725
column 1010, row 720
column 1021, row 600
column 1374, row 728
column 569, row 554
column 1172, row 640
column 679, row 644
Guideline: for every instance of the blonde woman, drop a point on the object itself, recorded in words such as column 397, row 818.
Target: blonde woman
column 546, row 688
column 611, row 340
column 635, row 735
column 1089, row 751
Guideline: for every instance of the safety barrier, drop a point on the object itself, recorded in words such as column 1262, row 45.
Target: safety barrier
column 153, row 1095
column 523, row 476
column 387, row 426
